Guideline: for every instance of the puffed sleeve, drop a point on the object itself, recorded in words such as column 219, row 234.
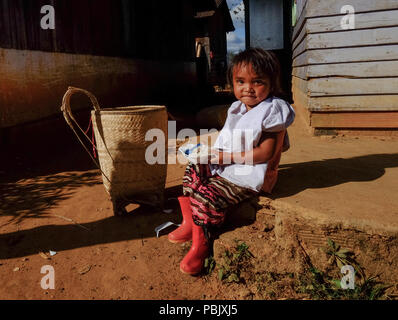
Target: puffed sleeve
column 279, row 116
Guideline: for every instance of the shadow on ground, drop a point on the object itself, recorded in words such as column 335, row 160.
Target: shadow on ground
column 138, row 224
column 32, row 198
column 297, row 177
column 141, row 223
column 36, row 177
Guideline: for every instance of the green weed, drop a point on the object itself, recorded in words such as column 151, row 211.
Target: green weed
column 322, row 286
column 233, row 263
column 342, row 257
column 209, row 265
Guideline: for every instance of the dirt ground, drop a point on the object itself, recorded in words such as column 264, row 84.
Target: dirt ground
column 54, row 200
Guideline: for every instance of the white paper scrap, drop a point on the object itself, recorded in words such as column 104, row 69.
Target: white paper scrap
column 164, row 226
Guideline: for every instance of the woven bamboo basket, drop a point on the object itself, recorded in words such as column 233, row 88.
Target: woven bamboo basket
column 121, row 146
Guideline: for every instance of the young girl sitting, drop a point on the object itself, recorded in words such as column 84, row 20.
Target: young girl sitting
column 244, row 147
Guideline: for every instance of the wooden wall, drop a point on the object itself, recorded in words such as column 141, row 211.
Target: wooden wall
column 124, row 51
column 32, row 83
column 149, row 29
column 346, row 78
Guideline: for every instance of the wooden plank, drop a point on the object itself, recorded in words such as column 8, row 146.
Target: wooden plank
column 13, row 25
column 45, row 38
column 371, row 53
column 302, row 47
column 300, row 7
column 301, row 72
column 300, row 84
column 321, row 8
column 299, row 24
column 353, row 103
column 3, row 26
column 19, row 14
column 355, row 120
column 357, row 132
column 352, row 38
column 300, row 37
column 385, row 88
column 362, row 21
column 7, row 34
column 348, row 70
column 325, row 8
column 339, row 86
column 33, row 21
column 342, row 103
column 82, row 41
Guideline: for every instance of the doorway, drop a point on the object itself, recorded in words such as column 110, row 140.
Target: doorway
column 264, row 21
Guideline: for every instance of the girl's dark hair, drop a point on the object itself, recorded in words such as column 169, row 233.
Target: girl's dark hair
column 264, row 63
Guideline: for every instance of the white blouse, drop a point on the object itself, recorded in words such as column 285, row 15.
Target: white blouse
column 242, row 132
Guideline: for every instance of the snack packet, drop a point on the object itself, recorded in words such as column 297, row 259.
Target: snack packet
column 198, row 153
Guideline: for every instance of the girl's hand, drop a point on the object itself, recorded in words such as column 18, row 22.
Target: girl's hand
column 219, row 158
column 261, row 154
column 215, row 157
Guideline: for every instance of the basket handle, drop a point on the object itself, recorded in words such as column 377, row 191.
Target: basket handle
column 67, row 112
column 65, row 108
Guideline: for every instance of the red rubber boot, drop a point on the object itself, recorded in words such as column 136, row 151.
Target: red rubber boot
column 193, row 262
column 184, row 232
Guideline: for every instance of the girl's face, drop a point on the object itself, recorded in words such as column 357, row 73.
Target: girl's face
column 250, row 88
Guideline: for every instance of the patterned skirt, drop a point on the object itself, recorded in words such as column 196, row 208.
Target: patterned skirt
column 211, row 196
